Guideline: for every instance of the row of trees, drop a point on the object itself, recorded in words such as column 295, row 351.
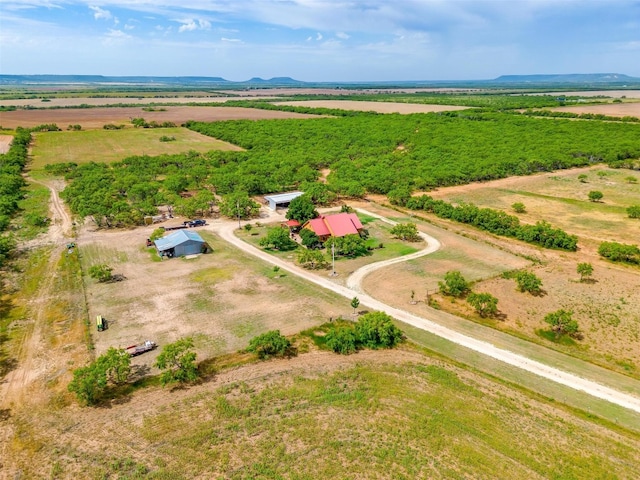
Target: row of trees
column 620, row 252
column 493, row 221
column 12, row 184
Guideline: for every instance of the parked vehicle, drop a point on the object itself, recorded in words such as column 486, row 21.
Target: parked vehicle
column 141, row 348
column 195, row 223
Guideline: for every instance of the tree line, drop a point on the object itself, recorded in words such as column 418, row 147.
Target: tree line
column 493, row 221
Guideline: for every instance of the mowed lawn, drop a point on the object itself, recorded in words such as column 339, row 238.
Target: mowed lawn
column 114, row 145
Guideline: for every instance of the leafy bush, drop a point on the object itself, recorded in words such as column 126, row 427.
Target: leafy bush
column 585, row 270
column 278, row 239
column 406, row 231
column 528, row 282
column 595, row 195
column 101, row 272
column 633, row 211
column 270, row 344
column 178, row 360
column 519, row 207
column 312, row 259
column 342, row 339
column 562, row 323
column 348, row 246
column 376, row 330
column 485, row 304
column 454, row 284
column 90, row 383
column 620, row 252
column 302, row 209
column 309, row 238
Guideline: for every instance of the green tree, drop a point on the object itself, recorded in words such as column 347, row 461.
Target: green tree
column 406, row 231
column 302, row 209
column 454, row 284
column 583, row 178
column 309, row 238
column 89, row 384
column 116, row 365
column 485, row 304
column 376, row 330
column 528, row 282
column 348, row 246
column 633, row 211
column 319, row 193
column 270, row 344
column 312, row 259
column 101, row 272
column 156, row 234
column 342, row 339
column 355, row 303
column 239, row 205
column 620, row 252
column 585, row 270
column 595, row 196
column 278, row 239
column 178, row 360
column 519, row 207
column 562, row 323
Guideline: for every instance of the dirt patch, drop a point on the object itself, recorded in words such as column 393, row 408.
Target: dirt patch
column 595, row 93
column 97, row 117
column 610, row 109
column 5, row 143
column 379, row 107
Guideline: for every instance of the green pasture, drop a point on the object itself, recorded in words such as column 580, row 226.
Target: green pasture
column 114, row 145
column 562, row 200
column 410, row 420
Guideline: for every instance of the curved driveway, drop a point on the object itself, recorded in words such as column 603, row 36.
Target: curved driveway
column 226, row 232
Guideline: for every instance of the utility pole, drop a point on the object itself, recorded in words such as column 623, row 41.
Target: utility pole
column 333, row 260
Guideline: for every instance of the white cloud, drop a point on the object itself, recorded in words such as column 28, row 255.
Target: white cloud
column 101, row 14
column 319, row 36
column 231, row 40
column 191, row 25
column 342, row 35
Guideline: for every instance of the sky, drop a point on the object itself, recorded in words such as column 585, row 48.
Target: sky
column 320, row 40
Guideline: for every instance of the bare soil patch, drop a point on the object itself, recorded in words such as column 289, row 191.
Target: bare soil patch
column 596, row 93
column 610, row 109
column 98, row 117
column 379, row 107
column 5, row 143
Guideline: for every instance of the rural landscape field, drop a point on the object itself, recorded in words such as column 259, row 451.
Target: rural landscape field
column 497, row 184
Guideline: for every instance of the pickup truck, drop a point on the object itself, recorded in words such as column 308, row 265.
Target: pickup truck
column 195, row 223
column 141, row 348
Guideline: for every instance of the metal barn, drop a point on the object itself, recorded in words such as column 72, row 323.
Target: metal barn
column 181, row 243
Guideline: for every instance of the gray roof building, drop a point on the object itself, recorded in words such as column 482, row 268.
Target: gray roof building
column 281, row 199
column 181, row 243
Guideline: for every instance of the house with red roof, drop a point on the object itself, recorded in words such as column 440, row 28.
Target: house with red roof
column 337, row 225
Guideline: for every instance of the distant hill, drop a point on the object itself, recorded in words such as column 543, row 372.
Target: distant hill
column 574, row 78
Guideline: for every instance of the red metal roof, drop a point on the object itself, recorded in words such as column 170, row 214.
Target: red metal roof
column 337, row 225
column 293, row 223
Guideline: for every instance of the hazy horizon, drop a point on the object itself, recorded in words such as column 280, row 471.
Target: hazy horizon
column 320, row 41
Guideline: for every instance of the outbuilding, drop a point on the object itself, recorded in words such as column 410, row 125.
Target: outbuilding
column 281, row 199
column 181, row 243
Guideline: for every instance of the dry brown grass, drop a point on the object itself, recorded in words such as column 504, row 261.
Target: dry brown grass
column 610, row 109
column 380, row 107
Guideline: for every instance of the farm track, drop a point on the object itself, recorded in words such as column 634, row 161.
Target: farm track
column 631, row 402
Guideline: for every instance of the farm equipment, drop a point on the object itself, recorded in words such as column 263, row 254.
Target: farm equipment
column 101, row 323
column 135, row 350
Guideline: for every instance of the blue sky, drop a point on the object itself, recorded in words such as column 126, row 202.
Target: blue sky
column 320, row 40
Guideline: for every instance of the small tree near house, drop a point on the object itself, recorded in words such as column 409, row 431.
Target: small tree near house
column 486, row 305
column 355, row 303
column 454, row 284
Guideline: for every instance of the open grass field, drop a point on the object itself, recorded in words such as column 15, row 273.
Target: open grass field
column 397, row 414
column 91, row 118
column 379, row 107
column 114, row 145
column 611, row 109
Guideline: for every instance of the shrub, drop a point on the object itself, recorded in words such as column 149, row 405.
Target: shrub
column 270, row 344
column 519, row 207
column 528, row 282
column 406, row 231
column 485, row 304
column 585, row 270
column 620, row 252
column 595, row 195
column 101, row 272
column 342, row 339
column 454, row 284
column 562, row 323
column 376, row 330
column 178, row 360
column 633, row 211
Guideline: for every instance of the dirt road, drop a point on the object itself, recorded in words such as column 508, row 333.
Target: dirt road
column 226, row 232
